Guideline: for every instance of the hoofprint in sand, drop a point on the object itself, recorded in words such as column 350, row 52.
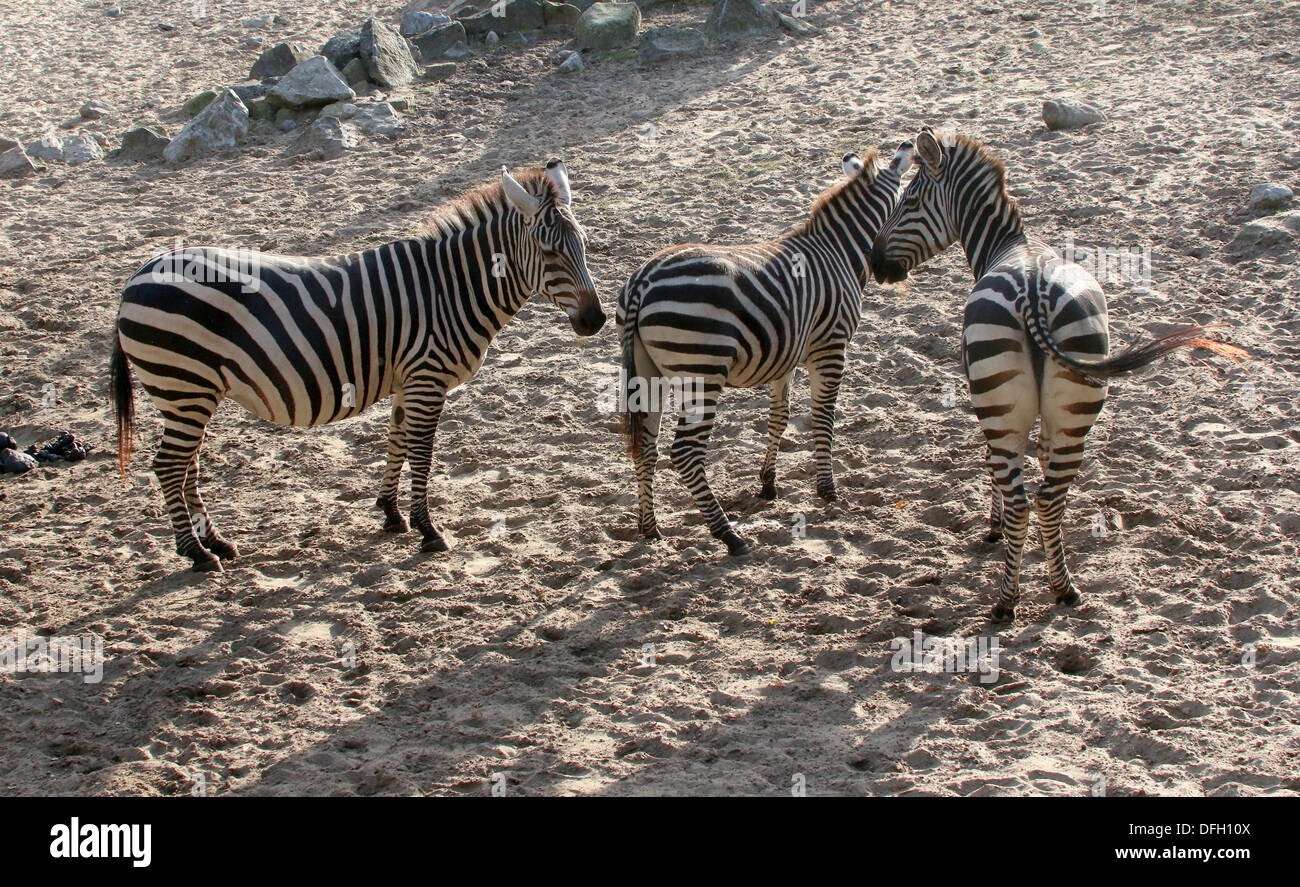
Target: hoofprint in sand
column 551, row 646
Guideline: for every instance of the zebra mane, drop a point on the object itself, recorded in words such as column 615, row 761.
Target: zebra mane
column 483, row 202
column 833, row 193
column 982, row 155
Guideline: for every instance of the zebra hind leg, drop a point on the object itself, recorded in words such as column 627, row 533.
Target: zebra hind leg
column 199, row 520
column 1007, row 466
column 994, row 532
column 698, row 408
column 177, row 452
column 778, row 417
column 1063, row 445
column 394, row 522
column 647, row 455
column 824, row 378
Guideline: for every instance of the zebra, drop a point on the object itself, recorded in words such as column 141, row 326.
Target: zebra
column 306, row 341
column 703, row 317
column 1035, row 340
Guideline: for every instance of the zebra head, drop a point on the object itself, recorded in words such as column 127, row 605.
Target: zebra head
column 551, row 253
column 922, row 223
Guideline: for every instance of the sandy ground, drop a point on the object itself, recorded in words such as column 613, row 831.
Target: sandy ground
column 333, row 659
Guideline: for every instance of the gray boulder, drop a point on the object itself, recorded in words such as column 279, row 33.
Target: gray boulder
column 520, row 15
column 740, row 18
column 142, row 143
column 15, row 164
column 221, row 125
column 313, row 83
column 561, row 15
column 94, row 110
column 278, row 61
column 572, row 64
column 192, row 107
column 387, row 55
column 250, row 91
column 608, row 25
column 375, row 119
column 1269, row 197
column 443, row 41
column 439, row 71
column 661, row 44
column 326, row 139
column 356, row 73
column 342, row 48
column 47, row 147
column 81, row 148
column 419, row 21
column 1070, row 115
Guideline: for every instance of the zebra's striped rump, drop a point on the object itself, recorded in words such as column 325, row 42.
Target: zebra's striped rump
column 709, row 317
column 306, row 341
column 1034, row 340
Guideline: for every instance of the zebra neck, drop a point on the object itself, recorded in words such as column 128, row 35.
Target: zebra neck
column 846, row 225
column 472, row 269
column 989, row 229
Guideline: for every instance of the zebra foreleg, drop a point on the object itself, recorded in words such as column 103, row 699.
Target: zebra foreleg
column 422, row 423
column 693, row 428
column 824, row 377
column 393, row 520
column 778, row 416
column 199, row 520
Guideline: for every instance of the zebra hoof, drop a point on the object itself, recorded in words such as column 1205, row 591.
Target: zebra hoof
column 206, row 565
column 993, row 534
column 768, row 492
column 395, row 523
column 1071, row 598
column 433, row 544
column 827, row 492
column 652, row 534
column 1003, row 614
column 221, row 548
column 736, row 546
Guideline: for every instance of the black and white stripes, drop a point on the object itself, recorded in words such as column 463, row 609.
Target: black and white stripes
column 1034, row 340
column 307, row 341
column 709, row 317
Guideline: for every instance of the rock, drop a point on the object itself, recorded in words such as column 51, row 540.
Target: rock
column 609, row 25
column 419, row 21
column 440, row 42
column 739, row 18
column 1269, row 236
column 260, row 109
column 572, row 64
column 440, row 71
column 342, row 48
column 491, row 39
column 113, row 11
column 325, row 139
column 519, row 15
column 355, row 73
column 1269, row 197
column 660, row 44
column 6, row 144
column 47, row 147
column 251, row 90
column 278, row 61
column 94, row 110
column 377, row 119
column 192, row 107
column 15, row 164
column 796, row 25
column 81, row 148
column 313, row 83
column 261, row 23
column 1070, row 115
column 250, row 42
column 221, row 125
column 387, row 55
column 561, row 15
column 142, row 143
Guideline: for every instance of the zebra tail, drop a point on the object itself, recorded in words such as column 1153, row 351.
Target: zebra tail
column 633, row 421
column 1132, row 358
column 119, row 383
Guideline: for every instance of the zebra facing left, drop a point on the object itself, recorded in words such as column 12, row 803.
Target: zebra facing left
column 306, row 341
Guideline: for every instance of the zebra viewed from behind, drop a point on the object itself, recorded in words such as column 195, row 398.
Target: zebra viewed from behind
column 706, row 317
column 305, row 341
column 1034, row 340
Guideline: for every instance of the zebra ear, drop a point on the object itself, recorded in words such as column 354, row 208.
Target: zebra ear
column 852, row 164
column 903, row 158
column 518, row 197
column 559, row 177
column 929, row 151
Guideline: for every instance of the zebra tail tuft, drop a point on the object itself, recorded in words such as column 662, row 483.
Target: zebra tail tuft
column 633, row 422
column 119, row 383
